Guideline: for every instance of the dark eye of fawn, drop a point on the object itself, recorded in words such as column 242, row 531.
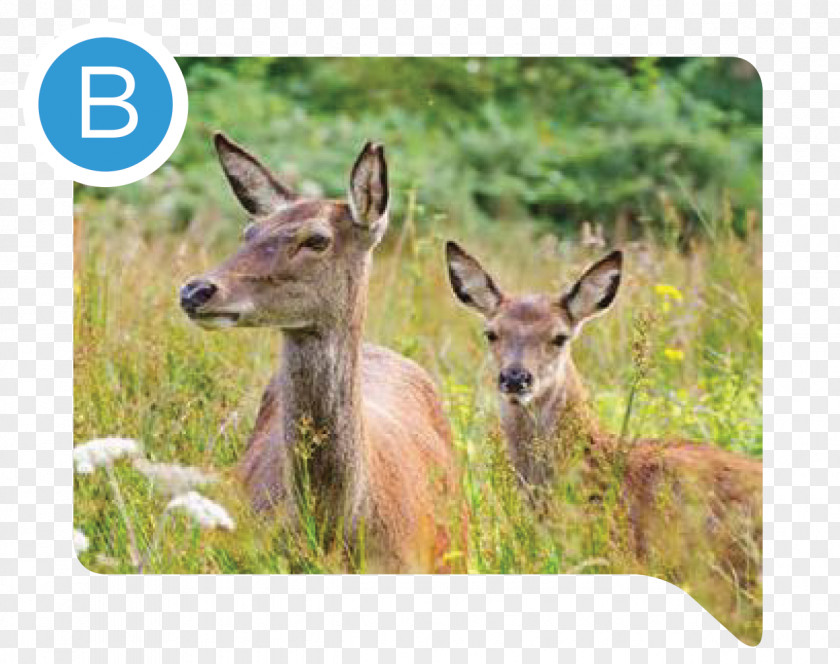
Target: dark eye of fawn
column 559, row 339
column 316, row 243
column 491, row 336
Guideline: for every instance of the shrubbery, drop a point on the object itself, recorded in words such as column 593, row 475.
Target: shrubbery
column 560, row 140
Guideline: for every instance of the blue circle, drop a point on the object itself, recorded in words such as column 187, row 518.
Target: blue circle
column 60, row 104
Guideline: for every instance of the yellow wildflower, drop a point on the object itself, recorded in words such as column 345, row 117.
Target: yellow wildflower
column 674, row 354
column 668, row 292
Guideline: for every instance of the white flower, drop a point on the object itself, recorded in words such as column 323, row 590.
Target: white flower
column 172, row 478
column 95, row 453
column 80, row 541
column 203, row 510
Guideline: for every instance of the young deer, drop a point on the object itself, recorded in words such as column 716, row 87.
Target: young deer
column 385, row 452
column 544, row 413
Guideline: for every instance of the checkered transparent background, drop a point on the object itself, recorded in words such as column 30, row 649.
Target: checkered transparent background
column 52, row 605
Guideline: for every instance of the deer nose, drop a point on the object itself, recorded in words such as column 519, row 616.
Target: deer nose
column 196, row 293
column 515, row 380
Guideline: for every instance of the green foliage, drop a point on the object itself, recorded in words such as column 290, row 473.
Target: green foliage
column 560, row 140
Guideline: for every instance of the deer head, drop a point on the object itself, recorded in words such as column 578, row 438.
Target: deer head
column 530, row 335
column 302, row 262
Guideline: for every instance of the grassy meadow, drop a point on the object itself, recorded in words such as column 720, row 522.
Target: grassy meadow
column 692, row 280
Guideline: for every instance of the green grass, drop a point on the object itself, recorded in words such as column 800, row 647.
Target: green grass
column 143, row 371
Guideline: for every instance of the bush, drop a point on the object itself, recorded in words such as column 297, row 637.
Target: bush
column 561, row 140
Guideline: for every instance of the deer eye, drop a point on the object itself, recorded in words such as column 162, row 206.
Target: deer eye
column 316, row 242
column 250, row 232
column 491, row 336
column 559, row 339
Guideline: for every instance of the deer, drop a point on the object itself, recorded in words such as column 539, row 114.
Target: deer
column 383, row 455
column 546, row 419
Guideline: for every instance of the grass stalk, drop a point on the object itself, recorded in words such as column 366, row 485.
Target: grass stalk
column 134, row 551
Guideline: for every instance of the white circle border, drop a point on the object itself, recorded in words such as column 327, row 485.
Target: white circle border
column 64, row 168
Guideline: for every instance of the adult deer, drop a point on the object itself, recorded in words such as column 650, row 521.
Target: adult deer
column 545, row 417
column 384, row 453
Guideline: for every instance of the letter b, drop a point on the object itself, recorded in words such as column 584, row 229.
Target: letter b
column 120, row 101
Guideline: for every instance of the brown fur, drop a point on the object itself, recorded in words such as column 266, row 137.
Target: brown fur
column 657, row 477
column 359, row 427
column 403, row 467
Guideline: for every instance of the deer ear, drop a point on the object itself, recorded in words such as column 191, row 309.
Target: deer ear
column 595, row 291
column 257, row 189
column 470, row 282
column 368, row 194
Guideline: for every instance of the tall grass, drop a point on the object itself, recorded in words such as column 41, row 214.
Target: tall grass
column 143, row 370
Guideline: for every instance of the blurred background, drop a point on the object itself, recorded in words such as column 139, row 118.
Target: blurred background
column 658, row 146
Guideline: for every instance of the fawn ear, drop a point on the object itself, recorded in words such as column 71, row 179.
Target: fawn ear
column 595, row 291
column 368, row 191
column 470, row 282
column 257, row 189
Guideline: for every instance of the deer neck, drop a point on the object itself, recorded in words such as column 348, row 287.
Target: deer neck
column 557, row 419
column 320, row 389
